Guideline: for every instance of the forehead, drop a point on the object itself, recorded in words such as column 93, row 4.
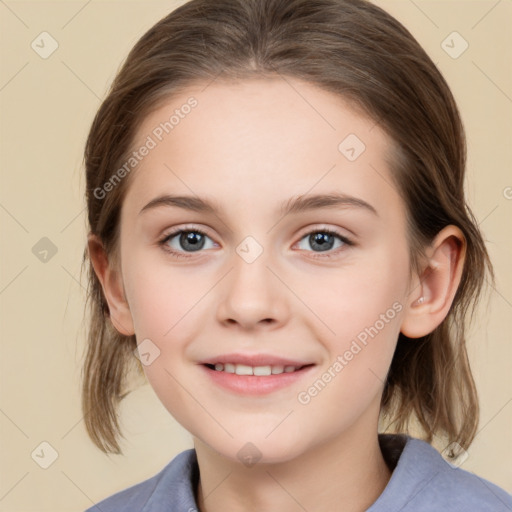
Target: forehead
column 263, row 139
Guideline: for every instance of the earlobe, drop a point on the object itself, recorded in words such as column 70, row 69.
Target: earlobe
column 112, row 286
column 433, row 293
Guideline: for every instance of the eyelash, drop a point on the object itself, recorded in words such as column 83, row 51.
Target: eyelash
column 180, row 254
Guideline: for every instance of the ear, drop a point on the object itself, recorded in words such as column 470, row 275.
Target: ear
column 113, row 289
column 433, row 291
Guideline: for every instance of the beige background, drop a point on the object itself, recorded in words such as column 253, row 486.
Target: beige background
column 47, row 106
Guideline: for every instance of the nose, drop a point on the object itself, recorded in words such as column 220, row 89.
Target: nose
column 252, row 295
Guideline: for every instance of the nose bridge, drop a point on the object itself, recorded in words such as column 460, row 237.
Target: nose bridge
column 252, row 292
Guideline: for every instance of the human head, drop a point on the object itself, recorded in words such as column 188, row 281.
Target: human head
column 367, row 58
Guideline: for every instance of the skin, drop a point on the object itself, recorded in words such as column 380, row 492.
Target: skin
column 249, row 146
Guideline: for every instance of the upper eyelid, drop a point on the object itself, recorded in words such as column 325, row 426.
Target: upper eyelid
column 177, row 231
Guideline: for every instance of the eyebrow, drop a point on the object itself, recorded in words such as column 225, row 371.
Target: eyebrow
column 293, row 205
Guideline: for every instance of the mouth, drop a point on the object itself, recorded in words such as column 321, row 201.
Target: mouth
column 259, row 371
column 245, row 380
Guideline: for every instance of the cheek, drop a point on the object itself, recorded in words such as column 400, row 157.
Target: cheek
column 362, row 306
column 355, row 296
column 160, row 297
column 364, row 310
column 164, row 309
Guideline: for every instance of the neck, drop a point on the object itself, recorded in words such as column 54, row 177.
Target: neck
column 347, row 472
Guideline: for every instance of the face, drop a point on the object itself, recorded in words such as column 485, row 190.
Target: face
column 263, row 272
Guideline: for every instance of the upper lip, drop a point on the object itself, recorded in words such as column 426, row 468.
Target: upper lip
column 255, row 360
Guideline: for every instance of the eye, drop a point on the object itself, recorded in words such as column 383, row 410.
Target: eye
column 189, row 240
column 324, row 240
column 185, row 241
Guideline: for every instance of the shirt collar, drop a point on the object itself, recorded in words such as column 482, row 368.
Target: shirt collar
column 177, row 483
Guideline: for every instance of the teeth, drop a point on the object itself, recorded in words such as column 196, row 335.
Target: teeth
column 242, row 369
column 262, row 370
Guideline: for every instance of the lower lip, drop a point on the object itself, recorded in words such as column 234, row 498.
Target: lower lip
column 256, row 384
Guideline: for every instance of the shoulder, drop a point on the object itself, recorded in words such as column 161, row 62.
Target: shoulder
column 423, row 481
column 153, row 493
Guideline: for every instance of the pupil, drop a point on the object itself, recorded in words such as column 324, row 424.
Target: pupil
column 323, row 240
column 192, row 240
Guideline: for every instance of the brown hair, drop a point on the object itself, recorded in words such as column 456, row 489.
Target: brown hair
column 351, row 48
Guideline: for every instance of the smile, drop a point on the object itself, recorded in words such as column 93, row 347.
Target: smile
column 243, row 369
column 254, row 380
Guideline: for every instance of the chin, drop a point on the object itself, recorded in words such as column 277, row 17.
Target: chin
column 249, row 451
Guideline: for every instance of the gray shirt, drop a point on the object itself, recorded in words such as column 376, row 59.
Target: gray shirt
column 421, row 481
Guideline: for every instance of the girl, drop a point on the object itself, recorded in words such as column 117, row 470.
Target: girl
column 279, row 234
